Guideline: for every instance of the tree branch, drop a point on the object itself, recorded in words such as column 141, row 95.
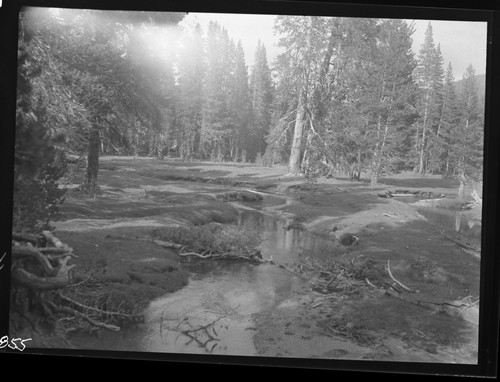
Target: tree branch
column 396, row 281
column 97, row 310
column 65, row 309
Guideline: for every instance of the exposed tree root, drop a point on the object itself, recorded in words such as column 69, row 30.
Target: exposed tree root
column 40, row 270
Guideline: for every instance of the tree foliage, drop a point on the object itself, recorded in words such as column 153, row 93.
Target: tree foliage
column 347, row 95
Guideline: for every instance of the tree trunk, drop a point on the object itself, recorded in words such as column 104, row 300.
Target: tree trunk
column 93, row 155
column 421, row 166
column 295, row 153
column 461, row 187
column 376, row 153
column 306, row 156
column 296, row 150
column 358, row 165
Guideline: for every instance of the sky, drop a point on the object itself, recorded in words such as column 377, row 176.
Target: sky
column 462, row 43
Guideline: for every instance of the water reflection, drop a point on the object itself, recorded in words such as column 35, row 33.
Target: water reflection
column 454, row 220
column 282, row 243
column 213, row 314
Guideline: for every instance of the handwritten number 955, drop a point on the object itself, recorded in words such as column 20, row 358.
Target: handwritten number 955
column 14, row 343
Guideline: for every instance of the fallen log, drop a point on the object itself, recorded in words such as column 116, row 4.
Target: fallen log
column 224, row 256
column 167, row 244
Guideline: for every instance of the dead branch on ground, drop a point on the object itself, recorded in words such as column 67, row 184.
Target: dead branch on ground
column 207, row 254
column 205, row 336
column 388, row 268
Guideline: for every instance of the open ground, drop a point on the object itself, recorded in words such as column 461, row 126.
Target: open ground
column 430, row 313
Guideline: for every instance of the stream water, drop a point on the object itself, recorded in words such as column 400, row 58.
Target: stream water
column 214, row 313
column 452, row 220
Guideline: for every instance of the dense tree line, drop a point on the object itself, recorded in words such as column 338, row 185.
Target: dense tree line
column 346, row 95
column 354, row 97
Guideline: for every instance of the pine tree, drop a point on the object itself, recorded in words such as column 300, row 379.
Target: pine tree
column 191, row 77
column 436, row 142
column 240, row 103
column 216, row 128
column 304, row 38
column 393, row 107
column 261, row 94
column 467, row 142
column 38, row 164
column 428, row 78
column 449, row 120
column 355, row 82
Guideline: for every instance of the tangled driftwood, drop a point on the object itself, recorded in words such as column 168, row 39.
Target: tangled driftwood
column 41, row 268
column 50, row 264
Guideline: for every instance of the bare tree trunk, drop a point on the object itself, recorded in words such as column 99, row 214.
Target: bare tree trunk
column 375, row 162
column 295, row 154
column 421, row 166
column 300, row 119
column 93, row 156
column 461, row 187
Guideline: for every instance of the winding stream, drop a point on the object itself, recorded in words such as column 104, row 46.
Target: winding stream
column 214, row 313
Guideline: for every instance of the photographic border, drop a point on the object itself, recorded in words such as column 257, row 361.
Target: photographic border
column 490, row 266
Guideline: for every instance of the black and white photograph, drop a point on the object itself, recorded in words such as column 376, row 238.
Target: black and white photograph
column 258, row 185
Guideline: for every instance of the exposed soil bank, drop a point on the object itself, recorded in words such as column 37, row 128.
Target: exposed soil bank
column 362, row 323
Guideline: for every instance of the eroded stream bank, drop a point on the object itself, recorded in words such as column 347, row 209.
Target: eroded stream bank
column 321, row 296
column 238, row 308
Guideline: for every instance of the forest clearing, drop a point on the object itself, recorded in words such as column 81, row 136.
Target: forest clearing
column 170, row 198
column 359, row 316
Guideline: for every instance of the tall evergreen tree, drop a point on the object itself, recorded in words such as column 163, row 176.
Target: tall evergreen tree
column 304, row 39
column 342, row 96
column 261, row 94
column 467, row 142
column 38, row 164
column 395, row 94
column 240, row 103
column 191, row 77
column 217, row 128
column 435, row 146
column 449, row 120
column 428, row 78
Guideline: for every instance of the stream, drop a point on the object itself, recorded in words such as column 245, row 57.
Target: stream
column 452, row 220
column 214, row 313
